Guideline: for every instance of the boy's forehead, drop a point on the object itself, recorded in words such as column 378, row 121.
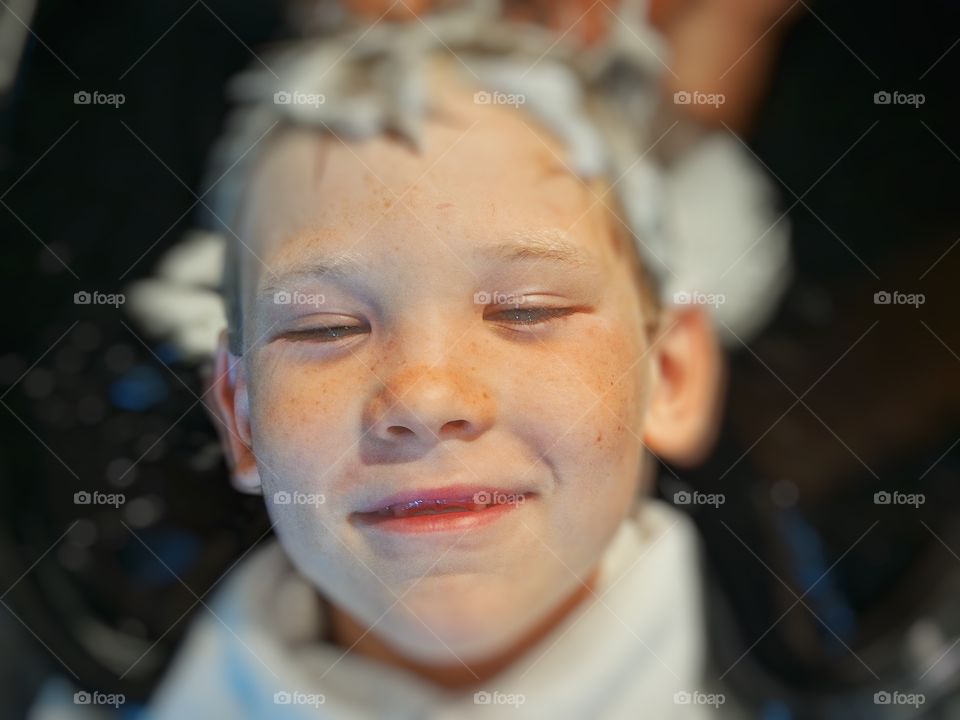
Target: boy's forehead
column 492, row 168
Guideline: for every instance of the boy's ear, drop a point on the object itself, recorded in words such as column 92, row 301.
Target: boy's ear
column 227, row 403
column 689, row 382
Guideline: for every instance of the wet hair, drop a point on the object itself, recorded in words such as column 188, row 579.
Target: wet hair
column 360, row 81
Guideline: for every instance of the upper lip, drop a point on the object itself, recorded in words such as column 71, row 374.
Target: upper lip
column 447, row 495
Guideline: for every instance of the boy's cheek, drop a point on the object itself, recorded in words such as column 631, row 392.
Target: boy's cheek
column 592, row 425
column 299, row 394
column 298, row 433
column 591, row 394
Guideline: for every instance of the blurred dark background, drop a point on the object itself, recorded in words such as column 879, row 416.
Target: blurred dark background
column 837, row 399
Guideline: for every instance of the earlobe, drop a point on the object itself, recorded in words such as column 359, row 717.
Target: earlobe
column 683, row 414
column 227, row 403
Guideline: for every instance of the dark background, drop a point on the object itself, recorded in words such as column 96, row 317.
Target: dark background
column 89, row 185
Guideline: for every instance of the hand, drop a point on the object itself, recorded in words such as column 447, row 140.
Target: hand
column 585, row 20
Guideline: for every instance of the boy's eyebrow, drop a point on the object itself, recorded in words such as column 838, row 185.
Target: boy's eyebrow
column 550, row 245
column 342, row 266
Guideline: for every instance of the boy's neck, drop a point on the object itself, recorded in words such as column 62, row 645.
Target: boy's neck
column 346, row 632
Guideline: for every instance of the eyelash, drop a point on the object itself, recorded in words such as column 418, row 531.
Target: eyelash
column 319, row 334
column 551, row 313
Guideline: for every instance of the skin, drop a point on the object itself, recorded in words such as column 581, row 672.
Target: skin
column 725, row 47
column 429, row 387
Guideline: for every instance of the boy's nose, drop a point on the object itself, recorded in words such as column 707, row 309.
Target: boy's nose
column 428, row 405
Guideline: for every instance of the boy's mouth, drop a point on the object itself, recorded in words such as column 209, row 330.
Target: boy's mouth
column 441, row 508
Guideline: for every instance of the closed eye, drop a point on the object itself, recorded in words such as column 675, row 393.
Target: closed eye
column 324, row 334
column 531, row 315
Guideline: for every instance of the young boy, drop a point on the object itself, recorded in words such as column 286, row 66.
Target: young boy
column 449, row 372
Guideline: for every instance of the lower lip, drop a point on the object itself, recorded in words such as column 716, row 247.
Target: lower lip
column 441, row 522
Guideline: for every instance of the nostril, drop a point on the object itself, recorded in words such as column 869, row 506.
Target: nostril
column 453, row 427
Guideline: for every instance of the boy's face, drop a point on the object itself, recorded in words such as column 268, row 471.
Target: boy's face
column 436, row 379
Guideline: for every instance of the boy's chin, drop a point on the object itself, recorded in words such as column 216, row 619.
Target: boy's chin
column 451, row 646
column 455, row 632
